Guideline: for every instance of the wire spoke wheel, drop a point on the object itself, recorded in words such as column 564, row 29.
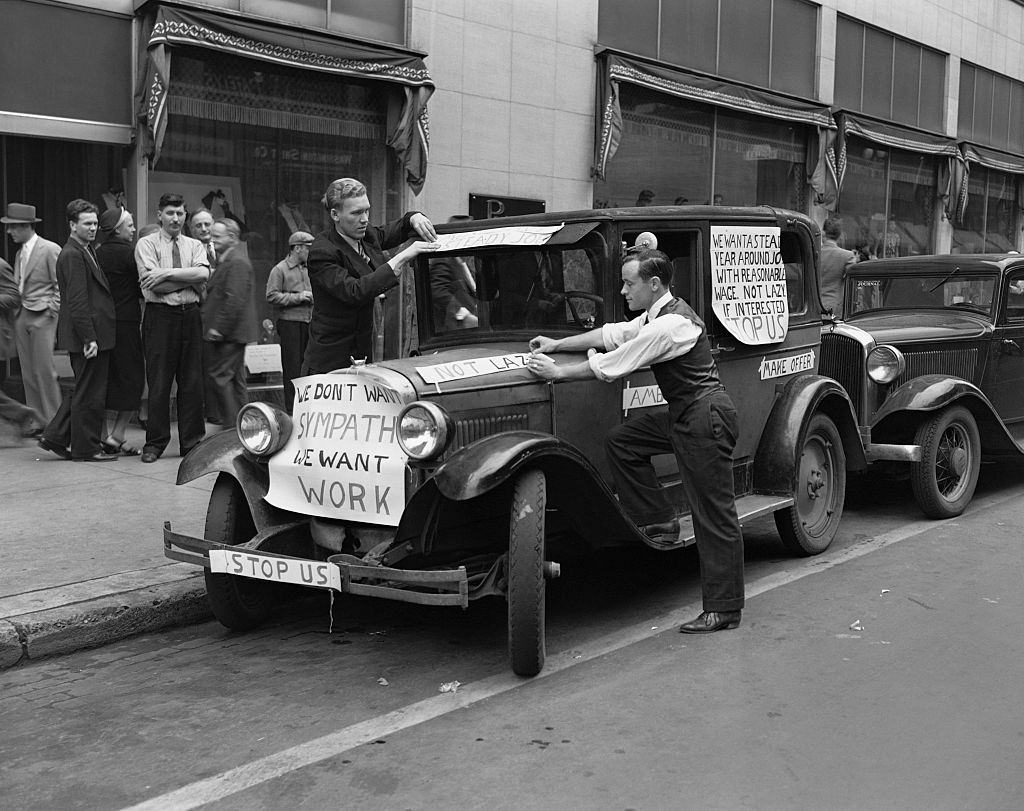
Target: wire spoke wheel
column 945, row 478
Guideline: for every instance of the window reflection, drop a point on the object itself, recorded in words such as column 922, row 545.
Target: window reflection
column 988, row 225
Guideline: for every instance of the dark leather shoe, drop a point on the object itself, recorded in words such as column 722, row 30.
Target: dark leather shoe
column 53, row 447
column 710, row 621
column 99, row 456
column 664, row 528
column 30, row 429
column 149, row 456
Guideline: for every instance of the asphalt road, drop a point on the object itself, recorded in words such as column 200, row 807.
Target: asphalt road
column 885, row 673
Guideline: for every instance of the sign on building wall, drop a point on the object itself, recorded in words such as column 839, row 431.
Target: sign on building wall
column 489, row 206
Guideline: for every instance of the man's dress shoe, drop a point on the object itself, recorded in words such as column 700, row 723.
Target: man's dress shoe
column 710, row 621
column 664, row 535
column 99, row 456
column 149, row 457
column 53, row 447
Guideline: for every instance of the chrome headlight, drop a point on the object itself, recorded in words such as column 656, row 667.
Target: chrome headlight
column 423, row 430
column 263, row 429
column 885, row 363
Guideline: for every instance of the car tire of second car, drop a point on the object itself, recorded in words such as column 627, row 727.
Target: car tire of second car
column 945, row 478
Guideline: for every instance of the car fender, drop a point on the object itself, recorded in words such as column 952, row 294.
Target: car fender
column 223, row 453
column 906, row 406
column 777, row 458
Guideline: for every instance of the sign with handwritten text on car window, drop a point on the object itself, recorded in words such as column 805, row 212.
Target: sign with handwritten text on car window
column 748, row 283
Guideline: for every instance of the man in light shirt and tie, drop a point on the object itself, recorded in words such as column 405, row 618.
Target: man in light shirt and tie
column 173, row 270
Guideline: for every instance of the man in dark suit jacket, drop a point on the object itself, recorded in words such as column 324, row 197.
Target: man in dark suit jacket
column 347, row 271
column 86, row 328
column 229, row 320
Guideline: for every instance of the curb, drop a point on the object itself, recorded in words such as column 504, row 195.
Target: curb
column 102, row 620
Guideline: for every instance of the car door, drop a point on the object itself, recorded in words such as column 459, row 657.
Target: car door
column 1006, row 358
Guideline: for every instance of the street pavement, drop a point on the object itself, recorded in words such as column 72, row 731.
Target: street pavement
column 83, row 560
column 883, row 673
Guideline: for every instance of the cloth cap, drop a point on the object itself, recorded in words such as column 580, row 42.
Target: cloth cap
column 300, row 238
column 20, row 213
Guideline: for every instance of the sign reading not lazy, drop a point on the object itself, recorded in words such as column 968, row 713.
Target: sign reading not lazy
column 473, row 367
column 748, row 283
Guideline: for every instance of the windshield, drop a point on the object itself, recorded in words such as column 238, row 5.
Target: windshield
column 555, row 288
column 954, row 290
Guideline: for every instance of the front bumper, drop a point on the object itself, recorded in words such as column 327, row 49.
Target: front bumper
column 422, row 586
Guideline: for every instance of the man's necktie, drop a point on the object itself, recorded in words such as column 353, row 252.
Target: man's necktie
column 175, row 253
column 212, row 255
column 19, row 271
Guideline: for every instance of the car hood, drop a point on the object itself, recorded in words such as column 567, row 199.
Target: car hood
column 933, row 325
column 466, row 368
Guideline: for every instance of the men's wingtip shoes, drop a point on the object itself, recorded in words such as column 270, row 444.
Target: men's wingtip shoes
column 53, row 447
column 710, row 621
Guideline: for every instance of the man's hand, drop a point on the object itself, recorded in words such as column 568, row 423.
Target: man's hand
column 424, row 227
column 307, row 295
column 153, row 278
column 543, row 344
column 213, row 335
column 542, row 366
column 91, row 350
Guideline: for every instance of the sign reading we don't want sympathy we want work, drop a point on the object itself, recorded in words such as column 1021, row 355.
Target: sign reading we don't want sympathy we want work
column 343, row 459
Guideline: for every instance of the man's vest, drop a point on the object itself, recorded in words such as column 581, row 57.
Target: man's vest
column 689, row 377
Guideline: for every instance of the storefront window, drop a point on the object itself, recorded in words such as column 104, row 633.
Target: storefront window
column 988, row 223
column 666, row 148
column 267, row 164
column 887, row 199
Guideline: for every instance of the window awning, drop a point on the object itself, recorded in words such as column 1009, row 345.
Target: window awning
column 408, row 124
column 674, row 81
column 992, row 158
column 952, row 176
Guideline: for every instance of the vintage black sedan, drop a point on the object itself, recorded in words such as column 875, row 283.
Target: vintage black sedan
column 931, row 353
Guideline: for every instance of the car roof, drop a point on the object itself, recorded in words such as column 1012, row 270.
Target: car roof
column 938, row 263
column 766, row 214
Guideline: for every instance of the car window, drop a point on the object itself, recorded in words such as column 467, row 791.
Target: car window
column 488, row 290
column 682, row 247
column 1015, row 297
column 921, row 292
column 795, row 262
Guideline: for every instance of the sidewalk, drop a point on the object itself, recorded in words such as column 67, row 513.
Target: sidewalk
column 82, row 549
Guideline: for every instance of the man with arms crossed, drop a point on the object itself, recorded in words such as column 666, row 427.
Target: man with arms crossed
column 700, row 427
column 172, row 271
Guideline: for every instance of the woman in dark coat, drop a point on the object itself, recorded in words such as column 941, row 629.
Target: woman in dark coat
column 127, row 372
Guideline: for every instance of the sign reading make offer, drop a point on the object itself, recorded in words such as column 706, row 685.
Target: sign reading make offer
column 343, row 459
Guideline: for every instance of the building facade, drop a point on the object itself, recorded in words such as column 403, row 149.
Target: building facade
column 905, row 118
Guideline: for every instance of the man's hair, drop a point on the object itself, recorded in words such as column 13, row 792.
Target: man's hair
column 342, row 189
column 653, row 263
column 833, row 227
column 231, row 226
column 198, row 211
column 170, row 199
column 76, row 208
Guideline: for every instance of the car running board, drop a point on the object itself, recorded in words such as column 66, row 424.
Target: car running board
column 748, row 508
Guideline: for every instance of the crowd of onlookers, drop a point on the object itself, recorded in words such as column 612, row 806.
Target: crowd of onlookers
column 169, row 310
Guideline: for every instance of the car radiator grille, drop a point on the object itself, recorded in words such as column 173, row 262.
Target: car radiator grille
column 842, row 359
column 956, row 362
column 470, row 429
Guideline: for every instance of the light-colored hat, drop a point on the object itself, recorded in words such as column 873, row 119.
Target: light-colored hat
column 20, row 213
column 300, row 238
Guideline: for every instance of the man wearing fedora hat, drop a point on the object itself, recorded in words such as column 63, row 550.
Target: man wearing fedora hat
column 289, row 290
column 35, row 327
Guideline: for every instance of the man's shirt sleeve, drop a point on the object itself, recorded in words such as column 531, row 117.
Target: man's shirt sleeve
column 660, row 340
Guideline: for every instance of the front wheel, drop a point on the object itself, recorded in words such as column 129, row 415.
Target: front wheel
column 239, row 603
column 945, row 478
column 526, row 587
column 810, row 525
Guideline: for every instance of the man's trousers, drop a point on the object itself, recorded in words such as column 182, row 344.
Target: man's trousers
column 702, row 437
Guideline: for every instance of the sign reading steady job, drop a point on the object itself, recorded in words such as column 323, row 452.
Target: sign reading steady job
column 748, row 283
column 342, row 459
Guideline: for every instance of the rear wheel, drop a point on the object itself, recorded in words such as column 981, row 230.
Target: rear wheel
column 239, row 603
column 810, row 525
column 526, row 587
column 945, row 478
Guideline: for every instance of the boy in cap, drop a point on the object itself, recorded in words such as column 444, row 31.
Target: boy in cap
column 288, row 289
column 35, row 326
